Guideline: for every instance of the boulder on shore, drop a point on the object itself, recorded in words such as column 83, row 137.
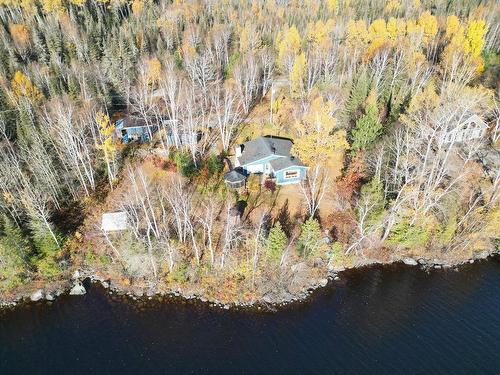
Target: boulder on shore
column 410, row 261
column 481, row 255
column 77, row 290
column 37, row 295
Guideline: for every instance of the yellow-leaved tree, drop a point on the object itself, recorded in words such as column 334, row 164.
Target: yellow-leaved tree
column 108, row 144
column 153, row 71
column 321, row 148
column 396, row 28
column 332, row 5
column 249, row 38
column 464, row 42
column 318, row 33
column 429, row 26
column 289, row 46
column 317, row 141
column 476, row 30
column 392, row 6
column 357, row 33
column 453, row 26
column 22, row 87
column 50, row 6
column 378, row 36
column 137, row 6
column 297, row 75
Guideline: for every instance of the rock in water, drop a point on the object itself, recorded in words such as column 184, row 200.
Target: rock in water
column 37, row 296
column 410, row 261
column 49, row 297
column 77, row 290
column 323, row 282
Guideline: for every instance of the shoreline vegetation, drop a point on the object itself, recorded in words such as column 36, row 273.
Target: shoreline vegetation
column 51, row 292
column 393, row 110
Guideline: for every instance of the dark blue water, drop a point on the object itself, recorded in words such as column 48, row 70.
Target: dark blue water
column 383, row 320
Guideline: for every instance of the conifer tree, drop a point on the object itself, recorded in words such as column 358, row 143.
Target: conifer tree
column 276, row 242
column 14, row 253
column 309, row 241
column 368, row 127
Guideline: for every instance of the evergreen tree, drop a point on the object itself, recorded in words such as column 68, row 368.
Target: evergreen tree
column 47, row 250
column 372, row 198
column 14, row 252
column 309, row 241
column 359, row 91
column 214, row 164
column 368, row 127
column 276, row 242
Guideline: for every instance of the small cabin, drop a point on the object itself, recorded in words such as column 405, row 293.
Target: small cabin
column 184, row 138
column 135, row 128
column 473, row 128
column 270, row 156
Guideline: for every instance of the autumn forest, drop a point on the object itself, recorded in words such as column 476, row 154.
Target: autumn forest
column 392, row 106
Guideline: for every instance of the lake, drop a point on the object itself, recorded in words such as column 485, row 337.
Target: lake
column 380, row 320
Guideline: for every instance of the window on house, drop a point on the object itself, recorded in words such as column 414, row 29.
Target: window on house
column 291, row 174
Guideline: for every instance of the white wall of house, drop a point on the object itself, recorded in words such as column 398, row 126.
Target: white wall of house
column 255, row 168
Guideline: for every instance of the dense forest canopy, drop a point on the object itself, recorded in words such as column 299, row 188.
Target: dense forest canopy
column 372, row 92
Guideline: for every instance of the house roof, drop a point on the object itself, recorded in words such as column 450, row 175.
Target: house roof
column 236, row 175
column 114, row 221
column 264, row 147
column 477, row 120
column 137, row 121
column 130, row 122
column 285, row 162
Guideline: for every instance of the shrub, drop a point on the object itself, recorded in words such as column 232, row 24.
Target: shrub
column 214, row 164
column 185, row 164
column 270, row 185
column 409, row 235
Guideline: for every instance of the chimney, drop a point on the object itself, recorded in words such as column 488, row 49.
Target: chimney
column 239, row 150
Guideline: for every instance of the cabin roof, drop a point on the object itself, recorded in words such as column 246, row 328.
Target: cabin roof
column 128, row 122
column 135, row 120
column 263, row 147
column 286, row 162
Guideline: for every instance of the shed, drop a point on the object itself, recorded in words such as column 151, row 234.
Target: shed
column 236, row 178
column 114, row 221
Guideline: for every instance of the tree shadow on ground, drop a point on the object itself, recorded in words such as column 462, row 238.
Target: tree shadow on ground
column 69, row 217
column 284, row 219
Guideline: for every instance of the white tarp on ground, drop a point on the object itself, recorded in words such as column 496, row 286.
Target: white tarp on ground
column 114, row 221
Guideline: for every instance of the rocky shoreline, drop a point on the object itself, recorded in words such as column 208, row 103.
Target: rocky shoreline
column 76, row 285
